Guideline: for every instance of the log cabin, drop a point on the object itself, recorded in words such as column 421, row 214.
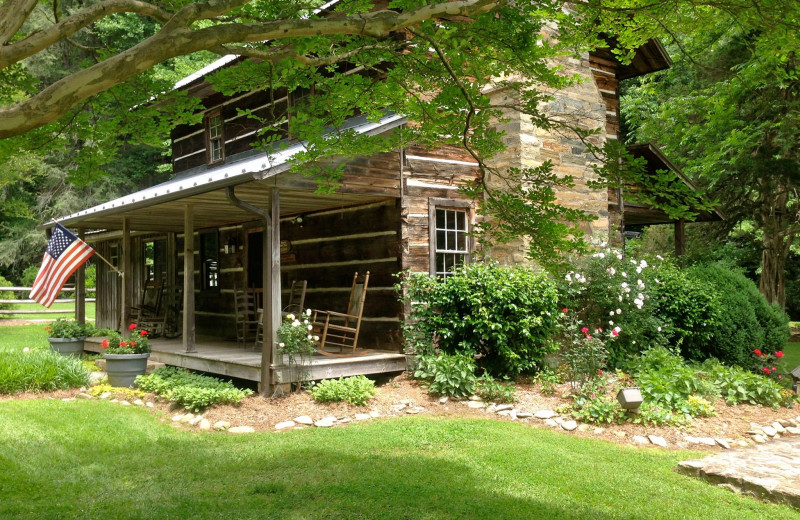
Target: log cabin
column 236, row 219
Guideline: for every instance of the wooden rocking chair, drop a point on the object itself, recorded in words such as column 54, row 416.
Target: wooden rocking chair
column 297, row 297
column 246, row 321
column 345, row 334
column 151, row 315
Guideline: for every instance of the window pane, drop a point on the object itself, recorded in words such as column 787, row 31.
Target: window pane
column 451, row 219
column 451, row 240
column 440, row 240
column 439, row 263
column 440, row 218
column 462, row 242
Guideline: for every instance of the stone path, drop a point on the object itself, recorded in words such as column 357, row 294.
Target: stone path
column 768, row 471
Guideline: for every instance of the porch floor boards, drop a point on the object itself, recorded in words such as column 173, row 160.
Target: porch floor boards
column 217, row 356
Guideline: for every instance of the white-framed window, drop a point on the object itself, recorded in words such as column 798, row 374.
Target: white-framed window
column 214, row 138
column 450, row 242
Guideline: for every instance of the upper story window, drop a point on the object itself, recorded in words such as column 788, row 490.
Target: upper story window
column 450, row 243
column 215, row 142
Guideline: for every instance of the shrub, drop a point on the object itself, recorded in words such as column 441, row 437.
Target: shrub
column 447, row 374
column 192, row 391
column 501, row 315
column 39, row 370
column 583, row 350
column 64, row 328
column 607, row 290
column 737, row 386
column 745, row 320
column 665, row 379
column 6, row 295
column 491, row 390
column 548, row 381
column 593, row 404
column 355, row 390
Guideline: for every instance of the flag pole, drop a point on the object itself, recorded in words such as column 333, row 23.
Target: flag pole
column 101, row 257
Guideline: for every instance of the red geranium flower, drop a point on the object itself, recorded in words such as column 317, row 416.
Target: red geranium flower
column 779, row 354
column 774, row 369
column 757, row 352
column 766, row 370
column 104, row 344
column 143, row 333
column 564, row 309
column 131, row 326
column 133, row 343
column 123, row 344
column 599, row 372
column 588, row 336
column 585, row 330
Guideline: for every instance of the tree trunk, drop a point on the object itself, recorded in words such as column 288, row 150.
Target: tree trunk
column 773, row 268
column 779, row 230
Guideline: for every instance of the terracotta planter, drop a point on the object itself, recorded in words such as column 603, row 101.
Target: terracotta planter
column 67, row 346
column 122, row 369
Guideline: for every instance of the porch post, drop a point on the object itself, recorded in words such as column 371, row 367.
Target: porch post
column 680, row 240
column 80, row 287
column 171, row 303
column 127, row 276
column 272, row 293
column 188, row 280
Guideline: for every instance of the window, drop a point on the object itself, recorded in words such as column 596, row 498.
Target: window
column 209, row 259
column 214, row 138
column 450, row 242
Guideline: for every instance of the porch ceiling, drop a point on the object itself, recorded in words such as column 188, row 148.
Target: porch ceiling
column 213, row 209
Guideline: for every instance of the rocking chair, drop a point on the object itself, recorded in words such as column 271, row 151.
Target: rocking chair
column 150, row 315
column 345, row 334
column 246, row 321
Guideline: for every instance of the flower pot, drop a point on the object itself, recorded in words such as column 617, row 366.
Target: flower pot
column 122, row 369
column 67, row 346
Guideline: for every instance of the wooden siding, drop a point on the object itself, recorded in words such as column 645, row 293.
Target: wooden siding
column 429, row 174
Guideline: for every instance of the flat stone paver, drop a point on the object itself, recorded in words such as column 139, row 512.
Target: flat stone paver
column 769, row 471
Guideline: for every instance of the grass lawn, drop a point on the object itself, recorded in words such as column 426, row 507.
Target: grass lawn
column 68, row 307
column 17, row 337
column 791, row 355
column 95, row 459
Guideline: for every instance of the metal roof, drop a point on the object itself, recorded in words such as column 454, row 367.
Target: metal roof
column 260, row 167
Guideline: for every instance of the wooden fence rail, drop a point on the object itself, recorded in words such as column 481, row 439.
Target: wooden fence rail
column 40, row 311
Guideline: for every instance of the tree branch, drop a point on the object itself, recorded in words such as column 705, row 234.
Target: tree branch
column 176, row 39
column 68, row 26
column 13, row 14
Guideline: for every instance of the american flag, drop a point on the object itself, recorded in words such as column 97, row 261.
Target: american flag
column 65, row 253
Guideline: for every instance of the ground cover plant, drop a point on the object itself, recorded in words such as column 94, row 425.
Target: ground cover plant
column 438, row 468
column 356, row 390
column 194, row 392
column 39, row 369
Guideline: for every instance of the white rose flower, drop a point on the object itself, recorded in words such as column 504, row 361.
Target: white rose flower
column 620, row 297
column 642, row 264
column 310, row 327
column 316, row 338
column 640, row 296
column 611, row 313
column 619, row 256
column 290, row 317
column 619, row 311
column 568, row 277
column 624, row 285
column 308, row 312
column 659, row 329
column 310, row 336
column 617, row 330
column 624, row 274
column 611, row 322
column 281, row 345
column 612, row 271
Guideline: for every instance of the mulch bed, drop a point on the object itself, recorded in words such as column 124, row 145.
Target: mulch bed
column 263, row 414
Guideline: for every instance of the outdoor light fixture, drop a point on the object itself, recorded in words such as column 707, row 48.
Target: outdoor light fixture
column 796, row 376
column 630, row 399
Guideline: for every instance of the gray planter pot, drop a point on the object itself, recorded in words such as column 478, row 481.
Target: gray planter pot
column 67, row 346
column 122, row 369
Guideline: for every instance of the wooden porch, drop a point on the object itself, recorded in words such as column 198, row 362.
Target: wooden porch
column 225, row 358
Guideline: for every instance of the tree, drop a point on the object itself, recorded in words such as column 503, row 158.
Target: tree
column 729, row 110
column 428, row 61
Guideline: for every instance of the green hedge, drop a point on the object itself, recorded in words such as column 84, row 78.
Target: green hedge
column 504, row 316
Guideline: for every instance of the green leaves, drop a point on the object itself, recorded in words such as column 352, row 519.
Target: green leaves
column 356, row 390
